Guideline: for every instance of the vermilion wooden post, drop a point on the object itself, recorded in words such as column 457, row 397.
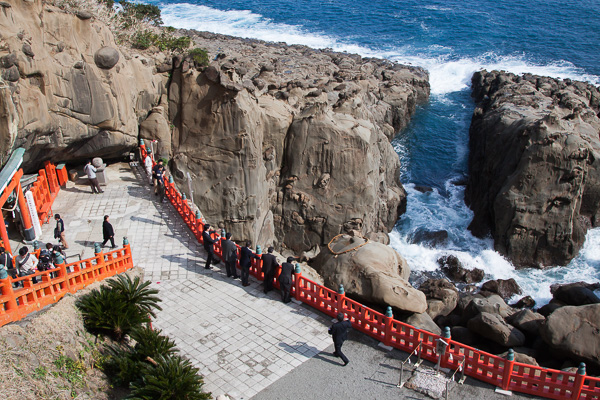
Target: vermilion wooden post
column 297, row 284
column 389, row 317
column 8, row 293
column 508, row 368
column 578, row 385
column 341, row 297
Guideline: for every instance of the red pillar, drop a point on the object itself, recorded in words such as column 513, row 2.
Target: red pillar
column 4, row 234
column 25, row 216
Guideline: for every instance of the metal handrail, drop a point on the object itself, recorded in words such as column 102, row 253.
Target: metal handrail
column 460, row 368
column 419, row 361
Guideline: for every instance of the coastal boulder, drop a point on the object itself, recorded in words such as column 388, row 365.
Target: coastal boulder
column 423, row 321
column 453, row 268
column 106, row 57
column 505, row 288
column 526, row 321
column 575, row 294
column 370, row 272
column 441, row 295
column 493, row 327
column 534, row 175
column 573, row 332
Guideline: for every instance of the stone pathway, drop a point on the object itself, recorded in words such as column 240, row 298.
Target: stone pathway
column 239, row 338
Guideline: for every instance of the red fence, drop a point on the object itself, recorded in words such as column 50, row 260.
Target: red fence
column 15, row 304
column 44, row 190
column 508, row 375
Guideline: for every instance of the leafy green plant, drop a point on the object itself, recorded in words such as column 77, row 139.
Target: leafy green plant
column 169, row 378
column 40, row 372
column 117, row 309
column 108, row 3
column 200, row 57
column 134, row 13
column 143, row 39
column 73, row 371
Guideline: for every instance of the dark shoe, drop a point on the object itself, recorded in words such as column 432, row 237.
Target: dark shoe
column 207, row 267
column 102, row 191
column 245, row 284
column 236, row 277
column 346, row 363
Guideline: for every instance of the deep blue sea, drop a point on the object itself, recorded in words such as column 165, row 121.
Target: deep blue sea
column 452, row 39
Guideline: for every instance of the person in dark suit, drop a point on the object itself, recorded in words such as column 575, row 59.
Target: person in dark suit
column 108, row 232
column 230, row 256
column 269, row 267
column 245, row 260
column 285, row 279
column 208, row 242
column 339, row 333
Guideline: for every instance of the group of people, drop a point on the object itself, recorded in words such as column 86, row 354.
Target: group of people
column 230, row 257
column 156, row 175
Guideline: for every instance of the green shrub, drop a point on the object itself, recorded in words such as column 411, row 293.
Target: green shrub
column 169, row 378
column 117, row 309
column 143, row 39
column 134, row 13
column 108, row 3
column 200, row 57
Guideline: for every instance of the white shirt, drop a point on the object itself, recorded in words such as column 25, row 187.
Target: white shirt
column 148, row 162
column 29, row 265
column 90, row 170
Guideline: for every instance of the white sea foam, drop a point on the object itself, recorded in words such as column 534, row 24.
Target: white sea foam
column 446, row 75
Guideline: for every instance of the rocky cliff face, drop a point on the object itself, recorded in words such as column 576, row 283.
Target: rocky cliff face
column 67, row 93
column 534, row 167
column 289, row 142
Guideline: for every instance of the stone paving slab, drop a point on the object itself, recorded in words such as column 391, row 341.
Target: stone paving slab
column 241, row 339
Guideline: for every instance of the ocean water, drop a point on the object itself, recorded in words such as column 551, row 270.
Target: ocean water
column 452, row 39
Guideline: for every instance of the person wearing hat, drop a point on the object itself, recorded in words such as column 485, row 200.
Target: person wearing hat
column 208, row 242
column 269, row 267
column 285, row 279
column 339, row 334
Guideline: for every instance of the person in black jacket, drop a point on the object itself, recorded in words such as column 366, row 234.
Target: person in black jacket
column 245, row 260
column 285, row 279
column 208, row 242
column 108, row 232
column 269, row 267
column 339, row 333
column 229, row 256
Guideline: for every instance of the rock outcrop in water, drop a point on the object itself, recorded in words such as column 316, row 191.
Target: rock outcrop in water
column 291, row 145
column 534, row 168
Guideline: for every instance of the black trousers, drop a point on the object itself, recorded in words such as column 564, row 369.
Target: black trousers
column 95, row 185
column 245, row 274
column 269, row 281
column 338, row 352
column 112, row 241
column 231, row 269
column 286, row 288
column 210, row 258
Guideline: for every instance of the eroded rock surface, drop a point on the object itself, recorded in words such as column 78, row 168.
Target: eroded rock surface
column 534, row 180
column 373, row 272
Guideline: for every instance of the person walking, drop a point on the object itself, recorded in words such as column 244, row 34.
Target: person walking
column 90, row 170
column 159, row 165
column 246, row 256
column 59, row 231
column 285, row 279
column 108, row 233
column 7, row 261
column 208, row 242
column 148, row 166
column 339, row 333
column 160, row 181
column 269, row 267
column 230, row 256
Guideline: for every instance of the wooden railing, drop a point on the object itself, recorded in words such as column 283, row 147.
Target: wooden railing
column 495, row 370
column 17, row 303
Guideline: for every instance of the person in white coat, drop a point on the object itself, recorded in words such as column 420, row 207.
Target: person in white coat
column 148, row 166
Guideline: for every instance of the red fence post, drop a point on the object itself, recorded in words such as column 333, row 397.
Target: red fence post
column 7, row 291
column 508, row 368
column 341, row 296
column 389, row 317
column 297, row 279
column 578, row 385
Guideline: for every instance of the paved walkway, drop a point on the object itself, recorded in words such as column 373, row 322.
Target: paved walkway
column 241, row 339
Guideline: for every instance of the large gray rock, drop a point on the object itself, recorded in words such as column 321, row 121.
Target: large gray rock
column 373, row 273
column 423, row 321
column 575, row 294
column 493, row 304
column 493, row 327
column 156, row 127
column 106, row 57
column 527, row 321
column 442, row 297
column 534, row 180
column 505, row 288
column 573, row 332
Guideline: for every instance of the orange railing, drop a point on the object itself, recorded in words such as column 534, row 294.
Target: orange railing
column 495, row 370
column 15, row 304
column 44, row 190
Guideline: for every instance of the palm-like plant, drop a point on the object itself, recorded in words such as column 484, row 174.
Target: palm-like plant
column 150, row 343
column 136, row 293
column 169, row 378
column 117, row 309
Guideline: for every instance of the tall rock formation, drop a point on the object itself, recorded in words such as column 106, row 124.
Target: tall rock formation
column 289, row 142
column 534, row 172
column 68, row 91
